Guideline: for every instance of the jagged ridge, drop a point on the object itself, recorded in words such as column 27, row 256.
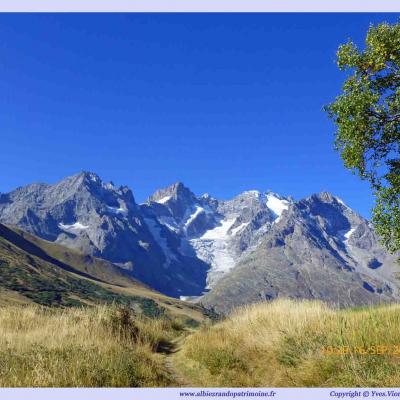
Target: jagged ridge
column 255, row 246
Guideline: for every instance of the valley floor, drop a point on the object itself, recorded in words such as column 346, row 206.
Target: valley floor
column 283, row 344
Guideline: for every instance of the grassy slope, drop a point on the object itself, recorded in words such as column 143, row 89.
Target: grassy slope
column 35, row 270
column 282, row 344
column 54, row 344
column 101, row 346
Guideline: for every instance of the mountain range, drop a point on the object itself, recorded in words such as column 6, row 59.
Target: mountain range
column 220, row 253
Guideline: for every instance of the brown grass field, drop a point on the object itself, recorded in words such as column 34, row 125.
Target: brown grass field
column 284, row 343
column 101, row 346
column 287, row 344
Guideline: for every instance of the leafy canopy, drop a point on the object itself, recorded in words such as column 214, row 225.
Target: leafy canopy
column 367, row 116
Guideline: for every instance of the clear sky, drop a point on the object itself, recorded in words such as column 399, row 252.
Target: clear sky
column 222, row 102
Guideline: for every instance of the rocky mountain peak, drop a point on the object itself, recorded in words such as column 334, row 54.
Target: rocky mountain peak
column 177, row 192
column 329, row 214
column 82, row 178
column 94, row 186
column 327, row 197
column 177, row 200
column 208, row 201
column 257, row 245
column 250, row 194
column 90, row 176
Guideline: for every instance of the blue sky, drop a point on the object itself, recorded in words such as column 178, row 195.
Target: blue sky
column 222, row 102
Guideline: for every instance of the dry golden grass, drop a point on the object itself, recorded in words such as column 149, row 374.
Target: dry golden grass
column 103, row 346
column 271, row 344
column 282, row 344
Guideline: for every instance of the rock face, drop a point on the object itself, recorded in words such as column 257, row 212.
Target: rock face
column 257, row 246
column 216, row 232
column 318, row 249
column 83, row 213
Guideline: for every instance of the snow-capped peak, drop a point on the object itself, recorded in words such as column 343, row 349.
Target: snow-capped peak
column 252, row 193
column 91, row 176
column 276, row 203
column 109, row 186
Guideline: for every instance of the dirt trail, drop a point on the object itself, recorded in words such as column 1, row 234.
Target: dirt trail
column 170, row 351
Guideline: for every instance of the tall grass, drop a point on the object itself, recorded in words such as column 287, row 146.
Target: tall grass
column 285, row 343
column 102, row 346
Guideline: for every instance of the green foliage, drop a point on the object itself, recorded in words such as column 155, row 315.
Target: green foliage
column 212, row 314
column 367, row 115
column 191, row 323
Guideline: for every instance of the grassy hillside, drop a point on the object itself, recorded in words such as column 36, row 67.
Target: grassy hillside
column 33, row 270
column 287, row 343
column 282, row 343
column 69, row 320
column 101, row 346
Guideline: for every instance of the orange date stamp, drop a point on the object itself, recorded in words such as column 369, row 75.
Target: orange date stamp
column 371, row 350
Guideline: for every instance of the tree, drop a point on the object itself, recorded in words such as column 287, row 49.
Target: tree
column 367, row 117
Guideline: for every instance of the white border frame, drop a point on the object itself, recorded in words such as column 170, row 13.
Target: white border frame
column 199, row 6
